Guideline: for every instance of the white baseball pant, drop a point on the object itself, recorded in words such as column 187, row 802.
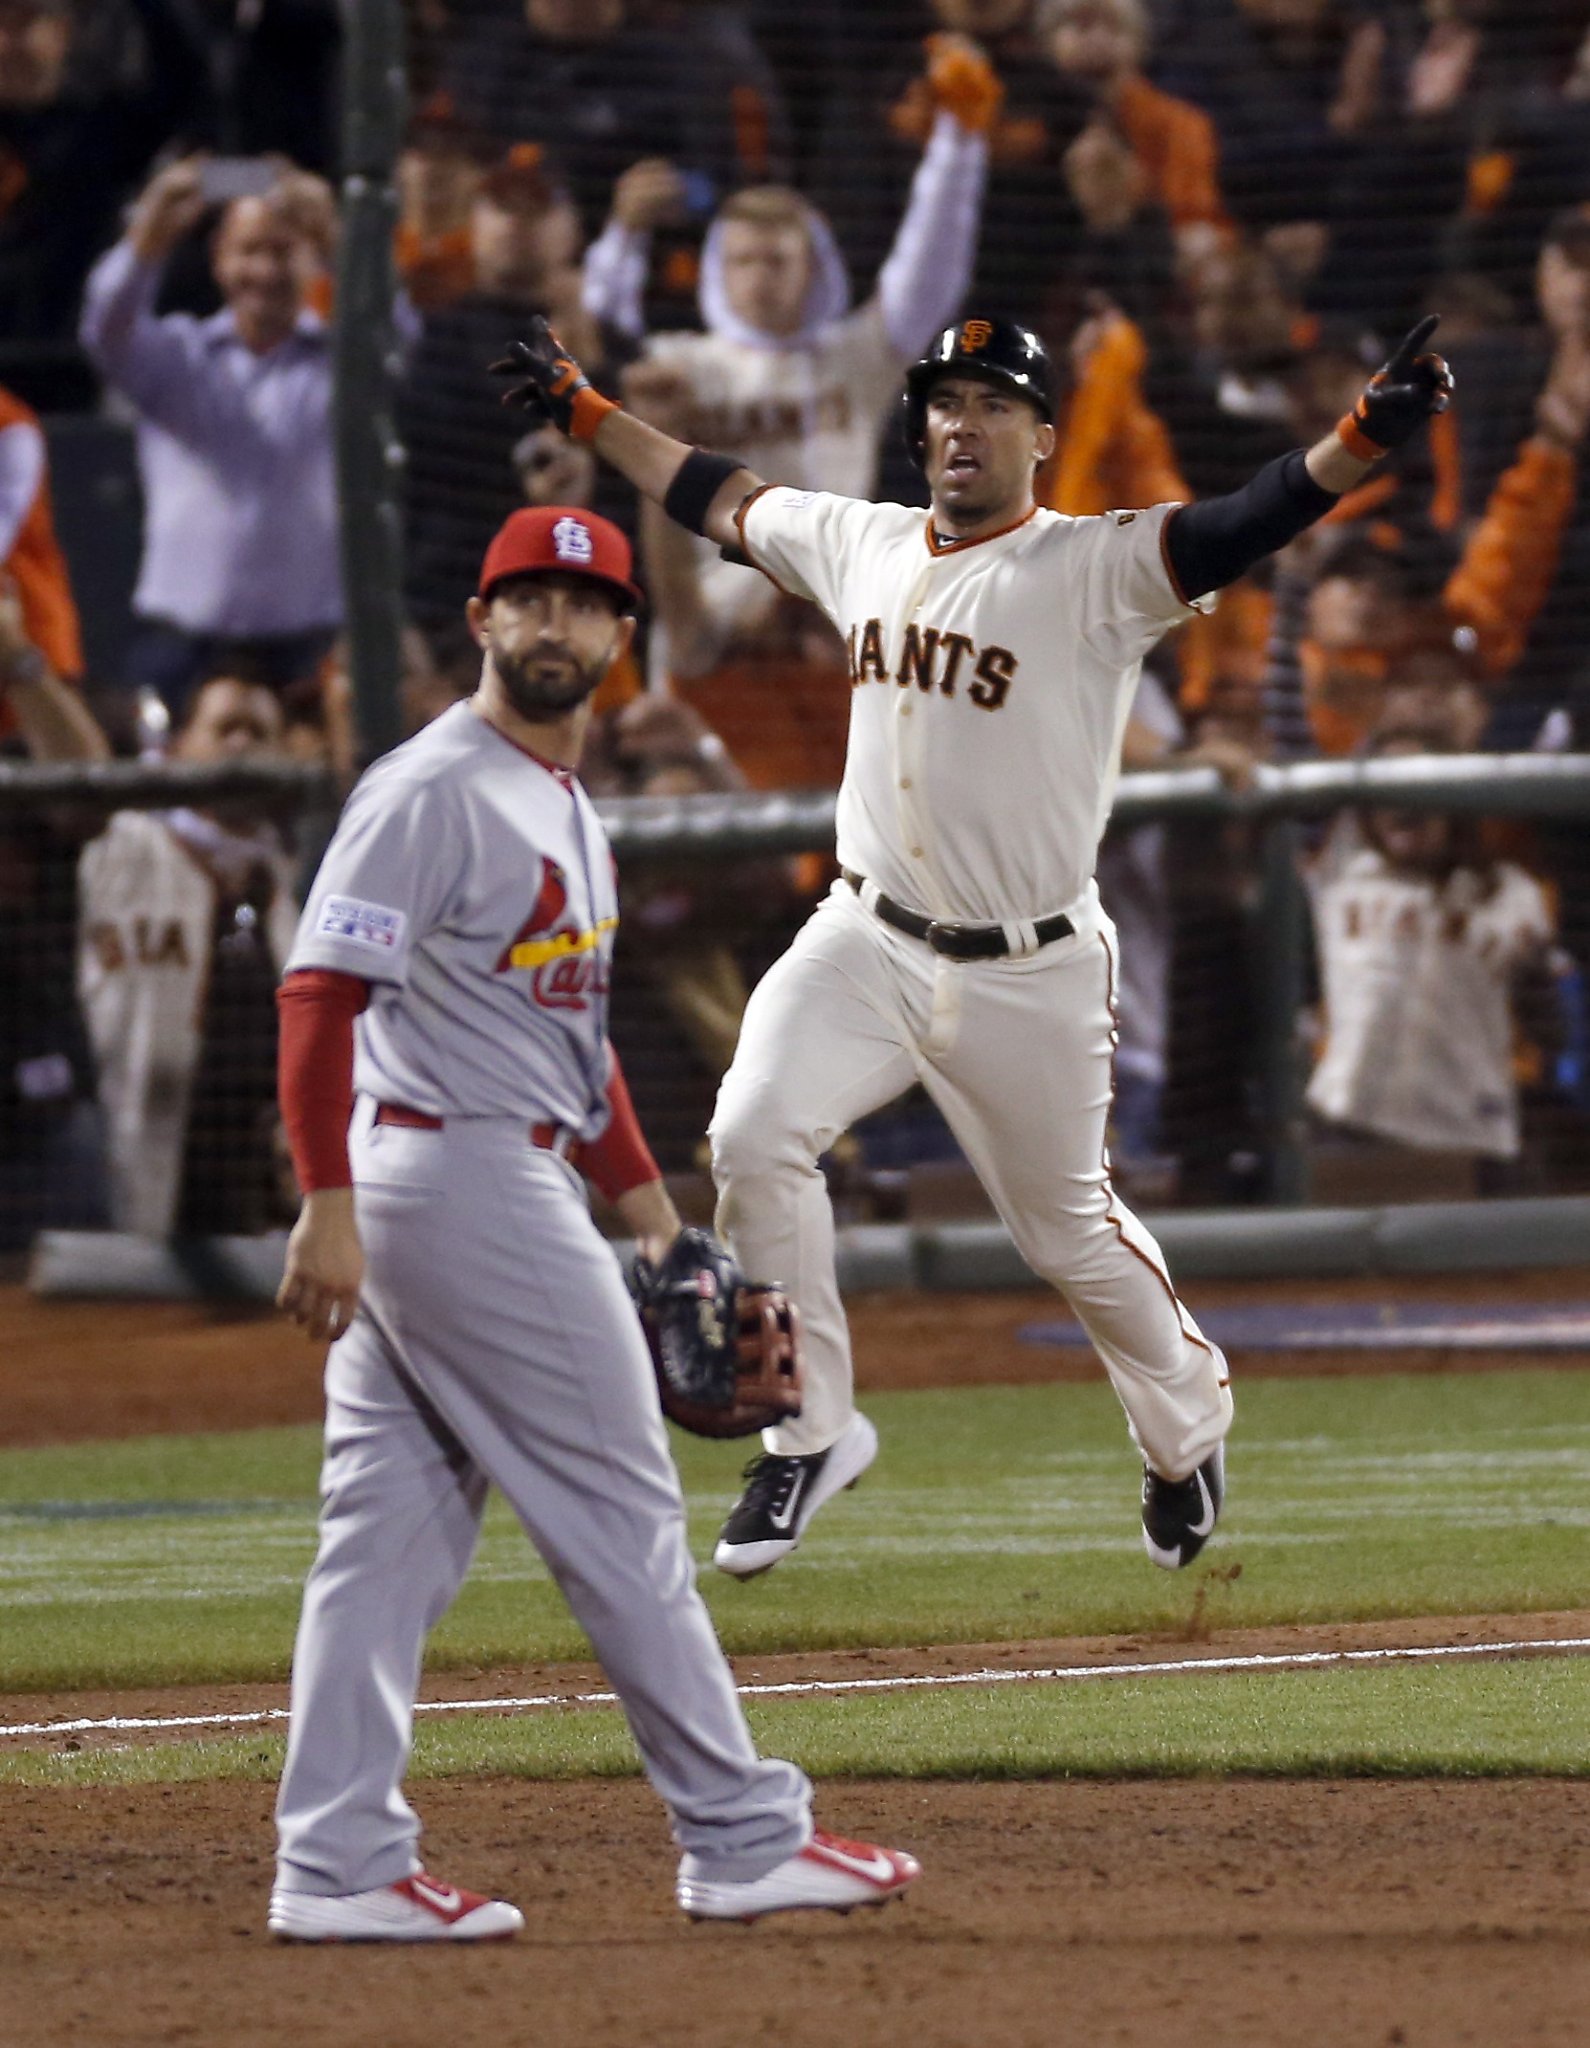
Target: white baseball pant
column 1017, row 1055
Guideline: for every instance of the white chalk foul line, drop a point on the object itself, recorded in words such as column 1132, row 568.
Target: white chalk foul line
column 1293, row 1660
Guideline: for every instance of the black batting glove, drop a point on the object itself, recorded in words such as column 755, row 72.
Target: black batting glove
column 1408, row 390
column 550, row 384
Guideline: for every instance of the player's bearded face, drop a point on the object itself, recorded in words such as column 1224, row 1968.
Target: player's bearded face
column 550, row 654
column 546, row 682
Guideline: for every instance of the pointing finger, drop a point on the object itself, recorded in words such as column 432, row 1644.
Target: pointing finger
column 515, row 362
column 1413, row 345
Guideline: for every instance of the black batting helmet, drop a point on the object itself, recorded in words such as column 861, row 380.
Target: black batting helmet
column 999, row 351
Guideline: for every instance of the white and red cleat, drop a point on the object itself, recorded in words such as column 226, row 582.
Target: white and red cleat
column 829, row 1873
column 417, row 1908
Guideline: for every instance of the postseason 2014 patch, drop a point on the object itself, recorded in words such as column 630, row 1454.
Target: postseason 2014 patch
column 365, row 924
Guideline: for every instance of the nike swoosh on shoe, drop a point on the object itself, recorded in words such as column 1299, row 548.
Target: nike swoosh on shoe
column 443, row 1898
column 878, row 1868
column 786, row 1520
column 1204, row 1526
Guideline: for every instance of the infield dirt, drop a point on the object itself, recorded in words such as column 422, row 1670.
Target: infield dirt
column 1143, row 1915
column 1168, row 1914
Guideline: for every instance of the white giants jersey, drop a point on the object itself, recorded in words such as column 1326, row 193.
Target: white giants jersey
column 991, row 681
column 1416, row 981
column 472, row 884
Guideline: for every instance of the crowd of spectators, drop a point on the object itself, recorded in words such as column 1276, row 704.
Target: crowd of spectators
column 745, row 220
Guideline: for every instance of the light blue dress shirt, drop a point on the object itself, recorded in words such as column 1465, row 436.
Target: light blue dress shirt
column 235, row 449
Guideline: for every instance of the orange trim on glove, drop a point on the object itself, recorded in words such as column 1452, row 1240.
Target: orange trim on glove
column 589, row 410
column 1350, row 432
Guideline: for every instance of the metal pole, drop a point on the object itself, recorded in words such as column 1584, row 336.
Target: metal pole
column 1281, row 933
column 369, row 457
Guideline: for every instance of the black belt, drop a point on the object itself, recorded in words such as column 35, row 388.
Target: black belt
column 958, row 941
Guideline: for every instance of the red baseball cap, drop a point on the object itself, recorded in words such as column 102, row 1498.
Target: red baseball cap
column 564, row 538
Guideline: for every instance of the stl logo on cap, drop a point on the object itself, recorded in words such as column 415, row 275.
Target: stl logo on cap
column 571, row 539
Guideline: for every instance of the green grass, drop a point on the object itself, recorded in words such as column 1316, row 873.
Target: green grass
column 1465, row 1720
column 992, row 1513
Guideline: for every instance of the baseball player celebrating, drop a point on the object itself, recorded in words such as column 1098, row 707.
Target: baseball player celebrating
column 462, row 926
column 994, row 652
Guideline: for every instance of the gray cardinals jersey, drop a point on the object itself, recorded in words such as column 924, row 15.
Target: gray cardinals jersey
column 472, row 884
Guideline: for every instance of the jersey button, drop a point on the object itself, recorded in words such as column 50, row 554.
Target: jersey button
column 916, row 853
column 905, row 782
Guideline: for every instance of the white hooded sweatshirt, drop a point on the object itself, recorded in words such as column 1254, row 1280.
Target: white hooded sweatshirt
column 807, row 408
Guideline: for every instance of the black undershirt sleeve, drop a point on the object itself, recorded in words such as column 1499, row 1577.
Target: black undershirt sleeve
column 1213, row 542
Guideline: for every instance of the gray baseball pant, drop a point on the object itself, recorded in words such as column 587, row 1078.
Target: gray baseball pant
column 496, row 1345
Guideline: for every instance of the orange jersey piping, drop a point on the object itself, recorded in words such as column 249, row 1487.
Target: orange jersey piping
column 954, row 547
column 740, row 511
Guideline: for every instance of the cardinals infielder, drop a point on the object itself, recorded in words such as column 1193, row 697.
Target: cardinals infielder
column 994, row 652
column 463, row 921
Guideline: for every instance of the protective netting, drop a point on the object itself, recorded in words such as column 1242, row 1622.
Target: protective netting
column 1439, row 1050
column 1217, row 214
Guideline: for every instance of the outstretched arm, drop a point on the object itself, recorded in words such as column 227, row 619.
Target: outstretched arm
column 1212, row 543
column 929, row 268
column 701, row 491
column 155, row 361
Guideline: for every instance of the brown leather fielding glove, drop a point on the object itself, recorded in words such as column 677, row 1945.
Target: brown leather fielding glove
column 726, row 1355
column 1405, row 392
column 551, row 383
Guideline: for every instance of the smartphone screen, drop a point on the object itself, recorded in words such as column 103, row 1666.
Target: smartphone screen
column 225, row 178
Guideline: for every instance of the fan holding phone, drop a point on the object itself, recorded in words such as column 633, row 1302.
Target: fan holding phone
column 234, row 436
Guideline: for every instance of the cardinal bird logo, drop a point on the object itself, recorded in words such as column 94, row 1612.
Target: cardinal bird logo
column 564, row 961
column 552, row 900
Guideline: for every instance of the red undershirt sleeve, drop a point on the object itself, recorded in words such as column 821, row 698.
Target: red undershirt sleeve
column 620, row 1159
column 314, row 1071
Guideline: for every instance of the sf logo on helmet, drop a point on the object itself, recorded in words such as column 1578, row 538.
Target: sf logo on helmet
column 975, row 334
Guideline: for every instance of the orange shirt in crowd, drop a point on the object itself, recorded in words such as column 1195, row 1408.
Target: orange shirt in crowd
column 1111, row 451
column 1496, row 590
column 38, row 568
column 1114, row 452
column 784, row 719
column 437, row 270
column 433, row 272
column 1175, row 142
column 1510, row 562
column 620, row 686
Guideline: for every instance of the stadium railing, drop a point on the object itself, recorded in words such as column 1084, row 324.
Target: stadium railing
column 719, row 832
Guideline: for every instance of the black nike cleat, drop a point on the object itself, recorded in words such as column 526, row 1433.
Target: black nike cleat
column 782, row 1495
column 1179, row 1515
